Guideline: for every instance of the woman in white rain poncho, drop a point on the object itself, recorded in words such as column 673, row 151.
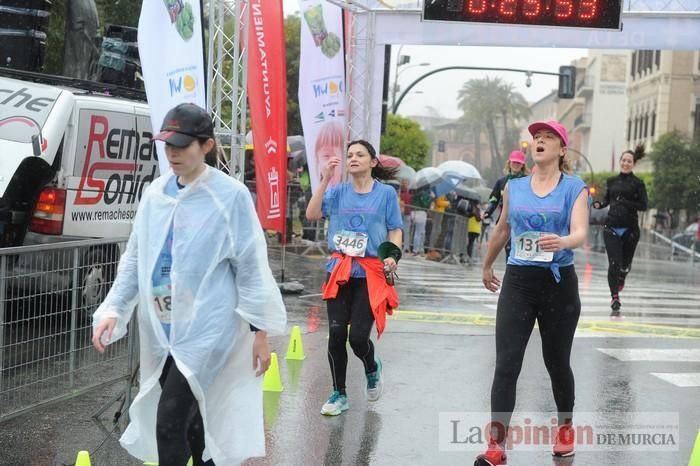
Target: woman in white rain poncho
column 196, row 265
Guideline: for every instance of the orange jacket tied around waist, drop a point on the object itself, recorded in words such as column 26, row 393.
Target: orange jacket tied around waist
column 383, row 298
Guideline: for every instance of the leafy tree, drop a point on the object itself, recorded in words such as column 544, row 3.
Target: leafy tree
column 292, row 32
column 676, row 181
column 406, row 140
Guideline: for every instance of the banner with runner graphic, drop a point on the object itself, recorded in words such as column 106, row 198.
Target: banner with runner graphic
column 171, row 50
column 267, row 94
column 322, row 86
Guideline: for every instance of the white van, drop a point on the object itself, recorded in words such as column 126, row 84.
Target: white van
column 73, row 162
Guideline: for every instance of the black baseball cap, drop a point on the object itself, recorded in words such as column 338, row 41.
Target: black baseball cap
column 185, row 123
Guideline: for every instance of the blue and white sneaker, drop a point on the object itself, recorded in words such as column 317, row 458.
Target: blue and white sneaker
column 336, row 404
column 375, row 383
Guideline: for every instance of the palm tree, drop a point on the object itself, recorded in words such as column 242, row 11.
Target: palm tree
column 486, row 102
column 513, row 108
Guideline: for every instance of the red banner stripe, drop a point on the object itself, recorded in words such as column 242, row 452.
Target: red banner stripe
column 267, row 96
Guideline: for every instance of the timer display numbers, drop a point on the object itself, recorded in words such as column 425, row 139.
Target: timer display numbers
column 594, row 14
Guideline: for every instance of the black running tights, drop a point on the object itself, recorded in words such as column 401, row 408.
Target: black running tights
column 530, row 294
column 620, row 254
column 179, row 426
column 351, row 306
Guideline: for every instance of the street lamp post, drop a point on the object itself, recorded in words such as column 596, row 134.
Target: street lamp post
column 585, row 159
column 528, row 73
column 398, row 73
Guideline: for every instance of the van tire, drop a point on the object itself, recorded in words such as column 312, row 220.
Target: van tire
column 97, row 272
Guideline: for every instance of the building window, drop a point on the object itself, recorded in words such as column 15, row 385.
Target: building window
column 657, row 59
column 653, row 123
column 646, row 125
column 639, row 63
column 634, row 65
column 629, row 129
column 636, row 128
column 696, row 126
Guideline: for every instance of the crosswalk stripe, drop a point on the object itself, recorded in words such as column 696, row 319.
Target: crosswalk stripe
column 653, row 354
column 686, row 379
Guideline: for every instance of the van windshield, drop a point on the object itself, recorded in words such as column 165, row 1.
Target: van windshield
column 24, row 109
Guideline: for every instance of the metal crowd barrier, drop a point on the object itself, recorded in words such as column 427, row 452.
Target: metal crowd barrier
column 47, row 296
column 445, row 233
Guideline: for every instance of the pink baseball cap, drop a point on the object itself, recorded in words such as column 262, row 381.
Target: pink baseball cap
column 553, row 126
column 517, row 156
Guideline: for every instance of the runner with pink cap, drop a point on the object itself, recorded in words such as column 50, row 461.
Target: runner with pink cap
column 545, row 217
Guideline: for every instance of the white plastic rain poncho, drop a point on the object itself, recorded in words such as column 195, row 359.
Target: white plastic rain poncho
column 221, row 282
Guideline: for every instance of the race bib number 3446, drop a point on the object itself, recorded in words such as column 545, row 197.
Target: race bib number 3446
column 351, row 243
column 527, row 247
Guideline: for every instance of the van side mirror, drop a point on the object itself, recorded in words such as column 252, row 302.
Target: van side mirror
column 36, row 145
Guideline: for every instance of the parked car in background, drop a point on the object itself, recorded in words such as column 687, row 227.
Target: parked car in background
column 688, row 237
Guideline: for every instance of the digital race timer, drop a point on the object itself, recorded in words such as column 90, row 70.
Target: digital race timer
column 597, row 14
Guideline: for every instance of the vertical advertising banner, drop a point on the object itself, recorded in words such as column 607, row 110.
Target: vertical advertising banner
column 267, row 95
column 322, row 86
column 171, row 50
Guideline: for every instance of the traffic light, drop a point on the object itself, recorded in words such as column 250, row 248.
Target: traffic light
column 524, row 146
column 567, row 82
column 592, row 189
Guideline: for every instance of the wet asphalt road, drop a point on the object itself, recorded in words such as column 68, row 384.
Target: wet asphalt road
column 438, row 357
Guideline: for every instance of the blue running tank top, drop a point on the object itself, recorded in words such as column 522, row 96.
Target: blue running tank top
column 529, row 215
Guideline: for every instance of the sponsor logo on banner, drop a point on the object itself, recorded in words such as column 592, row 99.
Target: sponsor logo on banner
column 182, row 84
column 331, row 87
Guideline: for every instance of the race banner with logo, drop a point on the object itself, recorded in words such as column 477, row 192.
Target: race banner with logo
column 171, row 50
column 322, row 86
column 267, row 94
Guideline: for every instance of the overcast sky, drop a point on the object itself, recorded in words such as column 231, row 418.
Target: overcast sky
column 440, row 90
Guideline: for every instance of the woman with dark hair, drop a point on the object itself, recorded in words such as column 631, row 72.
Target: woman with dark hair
column 364, row 237
column 626, row 195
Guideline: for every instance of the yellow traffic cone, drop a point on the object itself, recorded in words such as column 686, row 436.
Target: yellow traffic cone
column 295, row 350
column 83, row 459
column 272, row 382
column 695, row 455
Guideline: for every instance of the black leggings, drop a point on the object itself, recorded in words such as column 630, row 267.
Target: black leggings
column 620, row 254
column 351, row 305
column 179, row 426
column 470, row 245
column 530, row 294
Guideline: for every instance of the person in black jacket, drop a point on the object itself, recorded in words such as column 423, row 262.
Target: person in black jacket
column 515, row 168
column 626, row 195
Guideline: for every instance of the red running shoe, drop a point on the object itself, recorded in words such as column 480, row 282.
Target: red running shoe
column 564, row 443
column 495, row 455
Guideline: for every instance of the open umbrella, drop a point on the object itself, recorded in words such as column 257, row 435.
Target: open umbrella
column 462, row 170
column 484, row 192
column 466, row 192
column 406, row 173
column 390, row 161
column 435, row 179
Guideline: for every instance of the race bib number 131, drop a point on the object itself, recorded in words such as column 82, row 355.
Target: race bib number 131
column 527, row 247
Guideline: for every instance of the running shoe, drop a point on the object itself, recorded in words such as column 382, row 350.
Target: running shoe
column 375, row 383
column 495, row 455
column 615, row 305
column 564, row 443
column 336, row 404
